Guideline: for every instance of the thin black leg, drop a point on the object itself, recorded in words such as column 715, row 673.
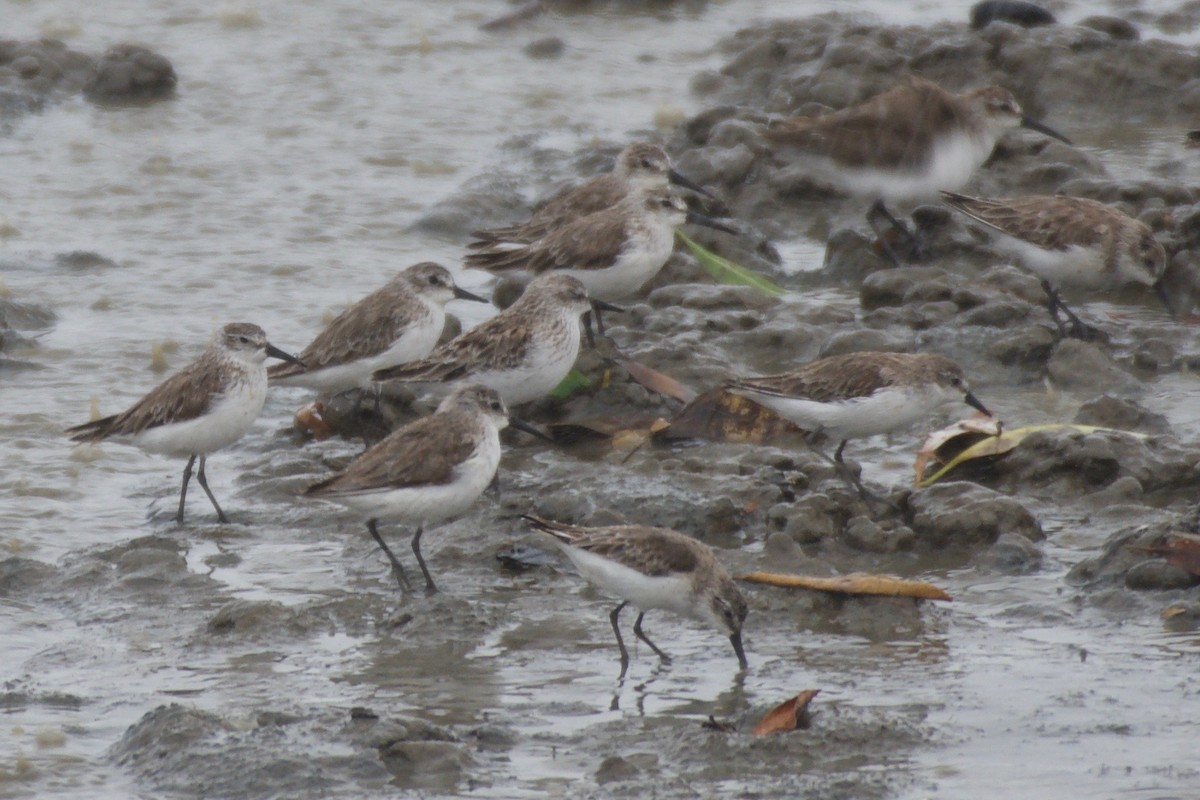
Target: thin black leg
column 430, row 586
column 397, row 567
column 637, row 629
column 616, row 612
column 187, row 476
column 200, row 476
column 878, row 210
column 587, row 327
column 1077, row 329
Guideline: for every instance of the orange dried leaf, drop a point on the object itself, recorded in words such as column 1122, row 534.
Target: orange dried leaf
column 787, row 716
column 941, row 446
column 658, row 382
column 310, row 419
column 604, row 428
column 881, row 585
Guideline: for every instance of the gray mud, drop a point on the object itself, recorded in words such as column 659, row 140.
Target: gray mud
column 273, row 657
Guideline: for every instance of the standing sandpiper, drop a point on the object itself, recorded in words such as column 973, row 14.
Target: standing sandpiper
column 207, row 405
column 905, row 143
column 653, row 568
column 427, row 471
column 523, row 352
column 856, row 395
column 1071, row 242
column 398, row 323
column 639, row 166
column 613, row 252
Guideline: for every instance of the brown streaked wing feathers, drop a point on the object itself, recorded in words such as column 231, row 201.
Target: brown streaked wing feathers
column 593, row 242
column 366, row 329
column 491, row 344
column 424, row 453
column 1054, row 223
column 858, row 375
column 594, row 195
column 893, row 129
column 184, row 396
column 653, row 551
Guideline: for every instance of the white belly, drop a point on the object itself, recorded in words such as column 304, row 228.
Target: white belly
column 227, row 420
column 955, row 159
column 421, row 505
column 1076, row 267
column 543, row 369
column 634, row 268
column 857, row 418
column 416, row 342
column 670, row 593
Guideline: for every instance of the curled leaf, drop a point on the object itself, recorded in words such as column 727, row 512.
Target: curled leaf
column 658, row 382
column 787, row 716
column 881, row 585
column 310, row 419
column 992, row 446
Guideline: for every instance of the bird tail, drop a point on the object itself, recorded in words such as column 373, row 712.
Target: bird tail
column 559, row 530
column 92, row 431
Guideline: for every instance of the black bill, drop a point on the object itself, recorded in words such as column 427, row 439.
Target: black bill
column 275, row 352
column 708, row 222
column 736, row 640
column 973, row 402
column 1034, row 125
column 463, row 294
column 680, row 180
column 522, row 425
column 604, row 305
column 1165, row 296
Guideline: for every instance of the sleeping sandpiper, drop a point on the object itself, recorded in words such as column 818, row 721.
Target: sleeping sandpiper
column 905, row 143
column 639, row 166
column 1071, row 242
column 653, row 568
column 855, row 395
column 429, row 470
column 398, row 323
column 207, row 405
column 523, row 352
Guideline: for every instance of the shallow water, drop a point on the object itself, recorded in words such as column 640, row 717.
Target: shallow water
column 282, row 183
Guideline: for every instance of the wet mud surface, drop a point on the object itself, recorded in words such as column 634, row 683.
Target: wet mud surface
column 272, row 657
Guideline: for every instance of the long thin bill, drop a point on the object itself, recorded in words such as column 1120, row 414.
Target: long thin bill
column 681, row 180
column 1165, row 297
column 275, row 352
column 522, row 425
column 1034, row 125
column 973, row 401
column 606, row 306
column 709, row 222
column 463, row 294
column 736, row 640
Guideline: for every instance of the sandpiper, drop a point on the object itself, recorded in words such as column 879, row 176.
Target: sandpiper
column 523, row 352
column 653, row 568
column 427, row 471
column 855, row 395
column 1071, row 242
column 905, row 143
column 207, row 405
column 639, row 166
column 398, row 323
column 613, row 252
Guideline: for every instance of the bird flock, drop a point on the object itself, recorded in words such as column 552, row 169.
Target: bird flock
column 589, row 249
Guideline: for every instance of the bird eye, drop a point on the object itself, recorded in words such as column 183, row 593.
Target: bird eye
column 244, row 339
column 495, row 405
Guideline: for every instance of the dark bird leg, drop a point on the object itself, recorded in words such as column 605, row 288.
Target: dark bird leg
column 616, row 612
column 880, row 211
column 200, row 476
column 587, row 327
column 1077, row 329
column 430, row 586
column 637, row 629
column 397, row 567
column 494, row 487
column 844, row 471
column 187, row 476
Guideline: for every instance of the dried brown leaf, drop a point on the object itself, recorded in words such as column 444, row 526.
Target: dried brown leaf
column 310, row 419
column 658, row 382
column 787, row 716
column 882, row 585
